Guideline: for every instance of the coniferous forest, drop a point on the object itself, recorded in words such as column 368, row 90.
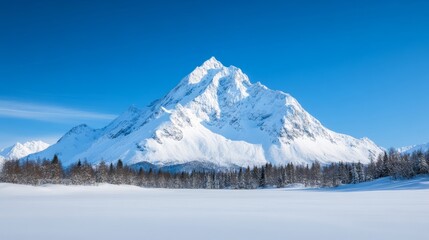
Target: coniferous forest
column 393, row 164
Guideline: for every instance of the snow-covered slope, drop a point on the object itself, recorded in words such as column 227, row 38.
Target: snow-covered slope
column 414, row 148
column 214, row 115
column 20, row 150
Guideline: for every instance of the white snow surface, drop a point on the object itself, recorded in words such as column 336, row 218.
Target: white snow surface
column 414, row 148
column 378, row 210
column 20, row 150
column 214, row 115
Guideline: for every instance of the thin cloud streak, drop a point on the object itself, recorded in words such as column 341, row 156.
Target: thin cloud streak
column 15, row 109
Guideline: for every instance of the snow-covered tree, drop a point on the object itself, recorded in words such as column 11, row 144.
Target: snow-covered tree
column 360, row 172
column 354, row 174
column 102, row 173
column 423, row 165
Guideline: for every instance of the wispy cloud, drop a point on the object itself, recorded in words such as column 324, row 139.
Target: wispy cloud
column 41, row 112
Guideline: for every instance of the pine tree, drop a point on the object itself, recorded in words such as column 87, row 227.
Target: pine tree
column 255, row 177
column 75, row 174
column 385, row 166
column 55, row 170
column 151, row 179
column 248, row 178
column 423, row 165
column 55, row 159
column 102, row 173
column 354, row 174
column 209, row 182
column 360, row 172
column 371, row 170
column 119, row 164
column 241, row 183
column 290, row 173
column 262, row 178
column 315, row 174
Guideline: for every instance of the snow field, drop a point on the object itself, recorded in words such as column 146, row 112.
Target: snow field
column 380, row 210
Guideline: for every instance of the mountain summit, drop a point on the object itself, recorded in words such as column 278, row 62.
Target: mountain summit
column 19, row 150
column 214, row 116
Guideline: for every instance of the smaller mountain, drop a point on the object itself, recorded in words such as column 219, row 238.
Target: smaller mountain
column 20, row 150
column 410, row 149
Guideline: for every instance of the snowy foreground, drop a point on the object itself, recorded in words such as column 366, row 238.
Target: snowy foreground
column 379, row 210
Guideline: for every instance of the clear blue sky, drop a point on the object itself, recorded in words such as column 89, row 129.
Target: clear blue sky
column 360, row 67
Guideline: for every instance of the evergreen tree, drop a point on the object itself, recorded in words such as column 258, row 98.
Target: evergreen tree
column 315, row 174
column 385, row 166
column 371, row 170
column 423, row 165
column 55, row 170
column 248, row 178
column 354, row 174
column 262, row 178
column 102, row 173
column 255, row 177
column 119, row 164
column 360, row 172
column 241, row 183
column 51, row 171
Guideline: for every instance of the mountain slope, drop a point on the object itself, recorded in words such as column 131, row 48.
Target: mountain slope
column 20, row 150
column 215, row 115
column 414, row 148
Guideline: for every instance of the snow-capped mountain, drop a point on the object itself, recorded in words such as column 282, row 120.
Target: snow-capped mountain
column 20, row 150
column 214, row 116
column 414, row 148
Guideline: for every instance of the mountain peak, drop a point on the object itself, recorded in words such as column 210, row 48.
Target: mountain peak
column 209, row 81
column 19, row 150
column 212, row 63
column 214, row 115
column 211, row 66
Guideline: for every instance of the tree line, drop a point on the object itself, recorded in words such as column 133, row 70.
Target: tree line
column 391, row 164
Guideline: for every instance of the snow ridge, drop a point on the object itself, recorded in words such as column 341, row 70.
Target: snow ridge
column 410, row 149
column 215, row 115
column 20, row 150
